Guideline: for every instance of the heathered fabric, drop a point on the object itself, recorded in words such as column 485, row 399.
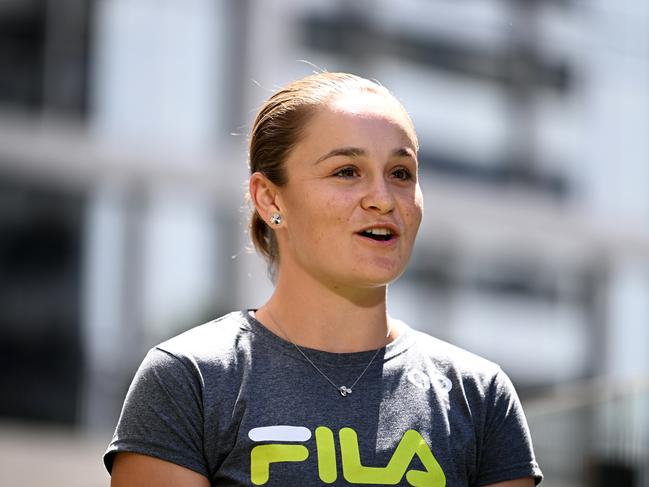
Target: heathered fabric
column 198, row 398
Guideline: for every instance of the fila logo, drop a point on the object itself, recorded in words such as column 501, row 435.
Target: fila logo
column 412, row 444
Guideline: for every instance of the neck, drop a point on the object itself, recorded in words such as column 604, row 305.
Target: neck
column 328, row 318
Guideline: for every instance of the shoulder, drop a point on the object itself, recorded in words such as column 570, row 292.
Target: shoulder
column 451, row 355
column 195, row 359
column 455, row 363
column 480, row 384
column 211, row 339
column 217, row 343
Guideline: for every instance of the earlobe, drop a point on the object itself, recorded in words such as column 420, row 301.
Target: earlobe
column 275, row 218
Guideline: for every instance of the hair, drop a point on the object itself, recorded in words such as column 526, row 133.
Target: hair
column 279, row 126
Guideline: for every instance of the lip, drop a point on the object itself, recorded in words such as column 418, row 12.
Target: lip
column 383, row 243
column 390, row 226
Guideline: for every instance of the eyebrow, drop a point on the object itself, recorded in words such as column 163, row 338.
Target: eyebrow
column 358, row 152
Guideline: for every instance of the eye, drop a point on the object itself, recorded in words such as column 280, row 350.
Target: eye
column 346, row 172
column 402, row 174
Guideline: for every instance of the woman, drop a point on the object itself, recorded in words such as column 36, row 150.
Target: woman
column 319, row 386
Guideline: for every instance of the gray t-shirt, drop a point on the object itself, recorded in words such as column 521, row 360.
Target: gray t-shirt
column 240, row 405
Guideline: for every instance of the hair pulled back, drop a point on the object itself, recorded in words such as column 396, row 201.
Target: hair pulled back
column 278, row 128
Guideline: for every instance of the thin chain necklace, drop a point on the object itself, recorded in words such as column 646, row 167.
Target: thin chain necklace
column 343, row 390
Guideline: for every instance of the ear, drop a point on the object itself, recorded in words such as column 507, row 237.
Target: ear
column 263, row 194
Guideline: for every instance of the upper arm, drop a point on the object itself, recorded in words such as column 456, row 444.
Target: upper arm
column 136, row 470
column 162, row 416
column 524, row 482
column 505, row 444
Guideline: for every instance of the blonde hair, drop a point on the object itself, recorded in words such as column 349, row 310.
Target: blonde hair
column 279, row 127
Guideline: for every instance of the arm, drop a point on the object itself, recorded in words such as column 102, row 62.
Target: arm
column 524, row 482
column 507, row 447
column 135, row 470
column 162, row 421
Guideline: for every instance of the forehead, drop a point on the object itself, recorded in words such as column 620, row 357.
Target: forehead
column 369, row 104
column 358, row 106
column 359, row 101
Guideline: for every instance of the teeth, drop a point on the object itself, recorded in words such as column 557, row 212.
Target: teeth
column 379, row 231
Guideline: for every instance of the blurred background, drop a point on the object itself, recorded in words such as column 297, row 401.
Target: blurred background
column 123, row 129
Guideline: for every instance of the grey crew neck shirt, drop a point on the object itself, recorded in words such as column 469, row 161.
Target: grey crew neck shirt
column 241, row 406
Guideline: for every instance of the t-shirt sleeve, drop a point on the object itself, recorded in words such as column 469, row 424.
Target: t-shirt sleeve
column 506, row 450
column 162, row 415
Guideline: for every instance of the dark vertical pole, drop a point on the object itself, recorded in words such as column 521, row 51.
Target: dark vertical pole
column 521, row 157
column 65, row 56
column 236, row 65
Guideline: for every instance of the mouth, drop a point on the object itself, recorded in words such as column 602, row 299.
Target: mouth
column 379, row 234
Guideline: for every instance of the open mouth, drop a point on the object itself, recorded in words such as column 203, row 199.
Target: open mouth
column 378, row 234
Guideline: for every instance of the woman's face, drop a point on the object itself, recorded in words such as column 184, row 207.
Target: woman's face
column 352, row 204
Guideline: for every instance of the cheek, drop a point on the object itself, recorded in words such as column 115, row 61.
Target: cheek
column 330, row 223
column 414, row 210
column 418, row 214
column 322, row 219
column 419, row 200
column 337, row 208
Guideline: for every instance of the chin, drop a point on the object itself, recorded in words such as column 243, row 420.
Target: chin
column 377, row 279
column 365, row 274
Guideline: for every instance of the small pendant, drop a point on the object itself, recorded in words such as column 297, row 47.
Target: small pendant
column 344, row 390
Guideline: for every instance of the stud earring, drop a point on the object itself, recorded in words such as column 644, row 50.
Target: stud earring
column 275, row 218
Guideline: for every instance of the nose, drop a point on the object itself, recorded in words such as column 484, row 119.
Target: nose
column 378, row 196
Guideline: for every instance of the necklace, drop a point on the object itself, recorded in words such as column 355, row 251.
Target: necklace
column 343, row 390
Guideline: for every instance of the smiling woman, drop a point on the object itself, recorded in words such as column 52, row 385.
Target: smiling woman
column 301, row 389
column 349, row 181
